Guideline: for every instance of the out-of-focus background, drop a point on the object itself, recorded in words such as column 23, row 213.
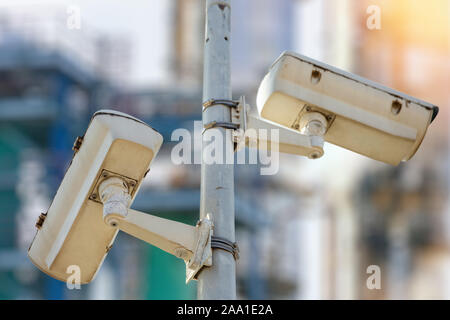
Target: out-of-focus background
column 309, row 232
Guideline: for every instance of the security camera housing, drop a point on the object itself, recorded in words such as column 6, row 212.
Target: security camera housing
column 362, row 116
column 73, row 231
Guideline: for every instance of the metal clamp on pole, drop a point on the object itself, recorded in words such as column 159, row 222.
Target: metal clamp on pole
column 223, row 102
column 224, row 244
column 202, row 255
column 217, row 124
column 238, row 119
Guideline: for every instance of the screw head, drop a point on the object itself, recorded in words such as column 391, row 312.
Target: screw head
column 396, row 107
column 314, row 155
column 315, row 76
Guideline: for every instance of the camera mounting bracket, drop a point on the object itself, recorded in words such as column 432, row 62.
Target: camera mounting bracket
column 306, row 140
column 190, row 243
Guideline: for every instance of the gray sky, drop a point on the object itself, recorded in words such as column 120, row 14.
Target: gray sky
column 144, row 21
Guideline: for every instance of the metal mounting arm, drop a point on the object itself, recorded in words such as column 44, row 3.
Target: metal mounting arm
column 192, row 244
column 307, row 142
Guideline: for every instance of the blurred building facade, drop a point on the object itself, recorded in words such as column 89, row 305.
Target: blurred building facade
column 51, row 81
column 309, row 232
column 404, row 211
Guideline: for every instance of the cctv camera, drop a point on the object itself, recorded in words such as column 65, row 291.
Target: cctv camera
column 358, row 114
column 115, row 147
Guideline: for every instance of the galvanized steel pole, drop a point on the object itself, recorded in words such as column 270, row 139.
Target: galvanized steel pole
column 217, row 180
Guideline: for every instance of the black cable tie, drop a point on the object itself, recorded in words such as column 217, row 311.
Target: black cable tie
column 224, row 102
column 224, row 244
column 226, row 125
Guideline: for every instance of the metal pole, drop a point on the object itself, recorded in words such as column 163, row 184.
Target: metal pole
column 217, row 180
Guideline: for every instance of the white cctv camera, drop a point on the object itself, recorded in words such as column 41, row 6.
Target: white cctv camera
column 92, row 203
column 300, row 93
column 73, row 232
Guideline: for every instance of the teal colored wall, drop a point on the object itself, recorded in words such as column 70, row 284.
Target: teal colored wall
column 166, row 274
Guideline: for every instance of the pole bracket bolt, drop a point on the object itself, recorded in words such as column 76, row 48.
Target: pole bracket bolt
column 202, row 255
